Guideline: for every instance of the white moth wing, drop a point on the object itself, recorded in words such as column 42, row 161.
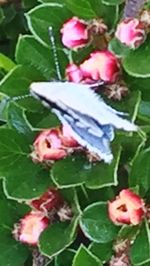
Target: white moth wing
column 81, row 98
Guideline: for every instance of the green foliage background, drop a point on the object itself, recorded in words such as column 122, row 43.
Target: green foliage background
column 26, row 56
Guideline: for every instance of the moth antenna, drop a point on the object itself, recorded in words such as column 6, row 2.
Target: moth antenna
column 56, row 61
column 16, row 98
column 133, row 8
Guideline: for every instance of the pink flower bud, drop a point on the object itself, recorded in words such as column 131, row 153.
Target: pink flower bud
column 101, row 65
column 49, row 200
column 131, row 32
column 74, row 73
column 48, row 146
column 127, row 208
column 30, row 227
column 67, row 139
column 75, row 33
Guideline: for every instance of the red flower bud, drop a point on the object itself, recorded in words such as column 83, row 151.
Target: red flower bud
column 51, row 199
column 127, row 208
column 48, row 146
column 75, row 33
column 30, row 227
column 131, row 32
column 101, row 65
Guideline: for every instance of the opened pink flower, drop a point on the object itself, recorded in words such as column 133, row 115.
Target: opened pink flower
column 127, row 208
column 48, row 146
column 75, row 33
column 30, row 227
column 131, row 32
column 101, row 65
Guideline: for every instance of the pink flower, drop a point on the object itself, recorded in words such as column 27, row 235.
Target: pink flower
column 48, row 146
column 74, row 73
column 67, row 139
column 51, row 199
column 101, row 65
column 75, row 33
column 127, row 208
column 131, row 32
column 30, row 227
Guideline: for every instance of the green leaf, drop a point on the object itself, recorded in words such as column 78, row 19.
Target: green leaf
column 51, row 243
column 102, row 175
column 144, row 110
column 136, row 63
column 65, row 258
column 43, row 16
column 140, row 171
column 17, row 120
column 102, row 251
column 13, row 146
column 25, row 180
column 31, row 53
column 71, row 171
column 81, row 8
column 22, row 178
column 142, row 245
column 96, row 224
column 118, row 48
column 141, row 84
column 17, row 81
column 89, row 9
column 84, row 257
column 6, row 63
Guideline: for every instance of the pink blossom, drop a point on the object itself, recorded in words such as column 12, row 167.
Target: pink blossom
column 30, row 227
column 75, row 33
column 101, row 65
column 131, row 32
column 127, row 208
column 48, row 146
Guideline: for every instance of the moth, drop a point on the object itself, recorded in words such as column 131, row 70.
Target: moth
column 91, row 120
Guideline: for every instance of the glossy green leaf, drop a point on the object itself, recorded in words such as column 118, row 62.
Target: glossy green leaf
column 136, row 63
column 89, row 9
column 50, row 241
column 72, row 171
column 140, row 171
column 84, row 257
column 17, row 81
column 65, row 258
column 31, row 53
column 101, row 174
column 102, row 251
column 17, row 120
column 6, row 63
column 142, row 245
column 43, row 16
column 23, row 179
column 96, row 224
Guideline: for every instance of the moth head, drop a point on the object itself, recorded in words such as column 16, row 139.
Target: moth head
column 44, row 91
